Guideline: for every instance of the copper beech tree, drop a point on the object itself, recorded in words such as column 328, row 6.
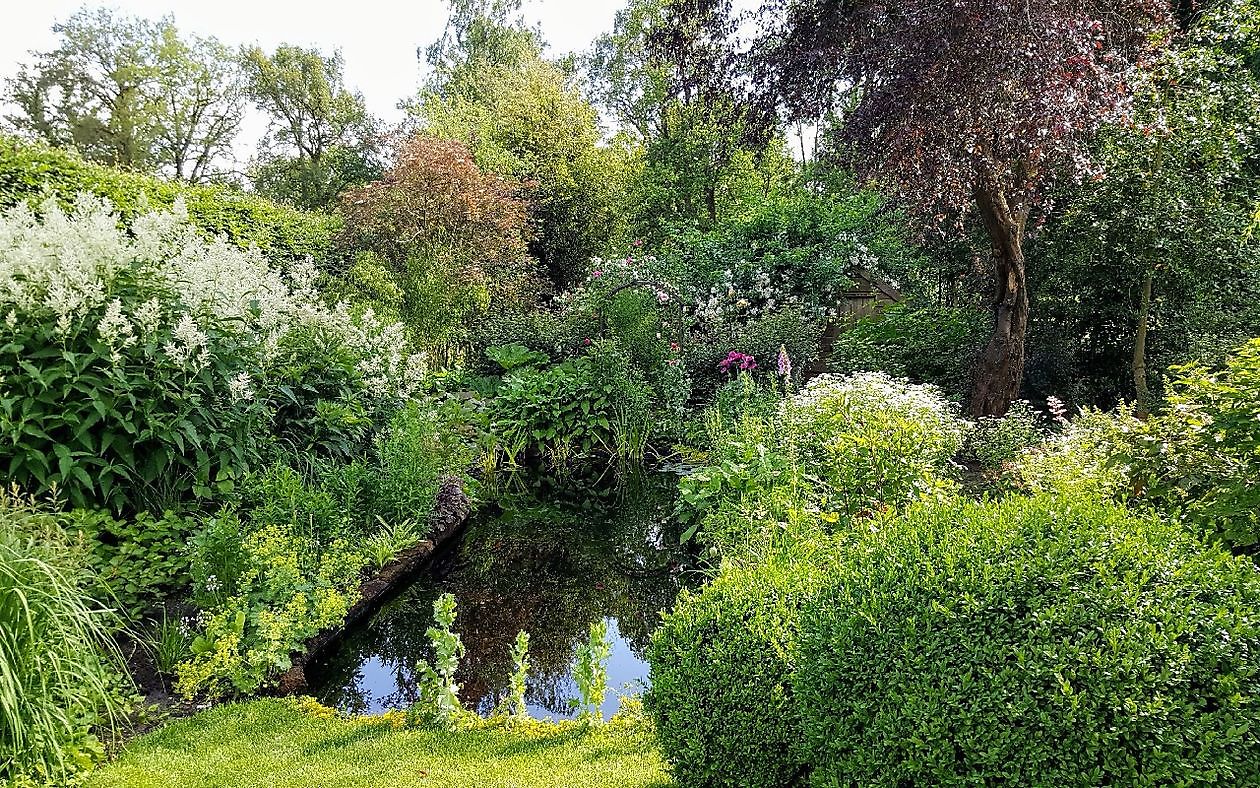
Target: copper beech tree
column 964, row 107
column 454, row 238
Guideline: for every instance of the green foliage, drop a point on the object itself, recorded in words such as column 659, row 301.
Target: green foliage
column 281, row 497
column 996, row 441
column 151, row 367
column 1087, row 457
column 56, row 654
column 138, row 560
column 845, row 448
column 564, row 404
column 128, row 432
column 170, row 642
column 439, row 693
column 30, row 172
column 590, row 673
column 1043, row 641
column 390, row 540
column 1181, row 188
column 721, row 666
column 926, row 344
column 509, row 357
column 523, row 118
column 514, row 702
column 451, row 237
column 279, row 588
column 413, row 453
column 1201, row 456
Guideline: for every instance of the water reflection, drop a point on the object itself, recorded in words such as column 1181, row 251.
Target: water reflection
column 553, row 556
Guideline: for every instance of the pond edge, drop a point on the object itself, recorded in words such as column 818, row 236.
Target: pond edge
column 451, row 511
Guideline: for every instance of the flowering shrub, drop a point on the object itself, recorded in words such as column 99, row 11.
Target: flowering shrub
column 997, row 441
column 1201, row 455
column 139, row 365
column 843, row 448
column 874, row 441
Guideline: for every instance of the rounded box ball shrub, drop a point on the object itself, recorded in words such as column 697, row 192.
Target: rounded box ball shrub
column 720, row 689
column 1048, row 641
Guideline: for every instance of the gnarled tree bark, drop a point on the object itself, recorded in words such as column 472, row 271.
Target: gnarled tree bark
column 999, row 369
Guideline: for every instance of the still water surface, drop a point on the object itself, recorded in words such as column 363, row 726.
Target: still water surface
column 550, row 556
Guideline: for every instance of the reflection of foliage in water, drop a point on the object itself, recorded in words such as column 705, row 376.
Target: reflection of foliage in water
column 559, row 555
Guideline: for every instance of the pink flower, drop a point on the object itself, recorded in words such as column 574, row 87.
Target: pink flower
column 596, row 274
column 586, row 341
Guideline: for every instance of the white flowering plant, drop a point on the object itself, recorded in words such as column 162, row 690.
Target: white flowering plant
column 140, row 368
column 843, row 449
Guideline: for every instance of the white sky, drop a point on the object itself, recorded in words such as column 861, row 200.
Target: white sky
column 377, row 38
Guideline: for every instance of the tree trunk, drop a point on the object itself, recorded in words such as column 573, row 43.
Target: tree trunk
column 999, row 369
column 1139, row 346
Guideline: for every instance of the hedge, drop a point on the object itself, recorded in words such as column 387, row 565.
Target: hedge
column 1044, row 642
column 32, row 171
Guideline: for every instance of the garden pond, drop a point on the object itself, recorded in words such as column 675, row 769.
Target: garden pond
column 550, row 555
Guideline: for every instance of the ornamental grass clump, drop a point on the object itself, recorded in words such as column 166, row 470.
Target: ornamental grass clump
column 1046, row 641
column 55, row 651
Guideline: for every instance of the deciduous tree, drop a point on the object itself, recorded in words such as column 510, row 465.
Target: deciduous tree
column 967, row 107
column 321, row 139
column 133, row 93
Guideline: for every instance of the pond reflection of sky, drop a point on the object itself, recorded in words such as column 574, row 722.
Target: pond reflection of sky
column 377, row 680
column 549, row 564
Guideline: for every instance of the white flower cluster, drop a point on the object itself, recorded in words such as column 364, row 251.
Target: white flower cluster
column 66, row 266
column 922, row 404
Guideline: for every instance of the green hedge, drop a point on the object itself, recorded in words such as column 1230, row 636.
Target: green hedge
column 1042, row 642
column 32, row 171
column 719, row 691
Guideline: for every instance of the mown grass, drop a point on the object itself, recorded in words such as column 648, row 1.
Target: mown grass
column 276, row 744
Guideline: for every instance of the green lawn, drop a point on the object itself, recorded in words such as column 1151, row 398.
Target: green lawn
column 273, row 744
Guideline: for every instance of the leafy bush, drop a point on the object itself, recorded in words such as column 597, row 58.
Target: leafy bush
column 1202, row 454
column 55, row 650
column 452, row 238
column 279, row 587
column 997, row 441
column 847, row 447
column 721, row 664
column 1043, row 641
column 137, row 362
column 760, row 337
column 137, row 560
column 281, row 497
column 874, row 441
column 1090, row 456
column 560, row 405
column 925, row 344
column 32, row 172
column 413, row 453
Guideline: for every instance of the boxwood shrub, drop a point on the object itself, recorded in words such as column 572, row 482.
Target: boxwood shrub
column 31, row 171
column 720, row 692
column 1045, row 642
